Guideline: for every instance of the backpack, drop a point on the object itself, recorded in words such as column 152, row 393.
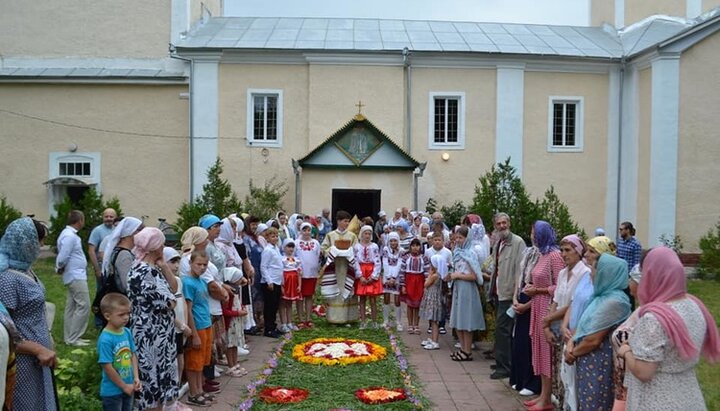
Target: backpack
column 110, row 284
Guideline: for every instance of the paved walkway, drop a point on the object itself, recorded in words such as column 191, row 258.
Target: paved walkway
column 449, row 385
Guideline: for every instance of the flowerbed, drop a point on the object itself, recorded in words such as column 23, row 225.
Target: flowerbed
column 282, row 395
column 338, row 351
column 380, row 395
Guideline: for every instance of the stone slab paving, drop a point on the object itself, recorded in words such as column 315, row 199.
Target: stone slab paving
column 449, row 385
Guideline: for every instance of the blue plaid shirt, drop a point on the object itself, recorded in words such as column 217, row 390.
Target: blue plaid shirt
column 629, row 250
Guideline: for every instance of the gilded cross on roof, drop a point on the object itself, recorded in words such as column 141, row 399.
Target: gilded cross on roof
column 359, row 105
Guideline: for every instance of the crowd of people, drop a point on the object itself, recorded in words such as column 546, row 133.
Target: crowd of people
column 565, row 329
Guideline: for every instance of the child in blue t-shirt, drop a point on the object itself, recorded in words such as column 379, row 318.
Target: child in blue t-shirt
column 116, row 355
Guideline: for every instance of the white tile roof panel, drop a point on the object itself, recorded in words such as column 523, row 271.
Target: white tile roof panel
column 379, row 34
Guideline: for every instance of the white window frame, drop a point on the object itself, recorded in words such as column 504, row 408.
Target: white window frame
column 460, row 144
column 579, row 102
column 251, row 141
column 56, row 193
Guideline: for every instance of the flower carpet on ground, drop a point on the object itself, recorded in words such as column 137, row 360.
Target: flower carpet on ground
column 340, row 368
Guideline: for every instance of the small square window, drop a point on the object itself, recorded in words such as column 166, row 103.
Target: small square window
column 565, row 124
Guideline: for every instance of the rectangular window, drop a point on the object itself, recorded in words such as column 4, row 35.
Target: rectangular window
column 565, row 124
column 447, row 123
column 265, row 117
column 74, row 169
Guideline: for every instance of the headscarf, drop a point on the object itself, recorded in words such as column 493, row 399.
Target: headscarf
column 576, row 243
column 392, row 235
column 440, row 264
column 239, row 229
column 403, row 224
column 603, row 245
column 425, row 220
column 261, row 228
column 545, row 237
column 147, row 240
column 169, row 253
column 609, row 305
column 466, row 252
column 474, row 219
column 663, row 281
column 365, row 228
column 125, row 228
column 227, row 232
column 232, row 274
column 530, row 257
column 19, row 247
column 305, row 224
column 191, row 237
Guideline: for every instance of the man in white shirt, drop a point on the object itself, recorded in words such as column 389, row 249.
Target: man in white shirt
column 72, row 265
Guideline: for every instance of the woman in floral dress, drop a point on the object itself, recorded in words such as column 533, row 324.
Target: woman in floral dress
column 151, row 289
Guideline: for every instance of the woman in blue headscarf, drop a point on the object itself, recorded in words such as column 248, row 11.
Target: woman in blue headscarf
column 590, row 345
column 22, row 293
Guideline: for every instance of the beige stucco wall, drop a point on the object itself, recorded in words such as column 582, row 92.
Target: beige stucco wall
column 317, row 185
column 215, row 7
column 602, row 11
column 62, row 28
column 643, row 164
column 636, row 10
column 698, row 192
column 579, row 178
column 148, row 174
column 455, row 179
column 710, row 4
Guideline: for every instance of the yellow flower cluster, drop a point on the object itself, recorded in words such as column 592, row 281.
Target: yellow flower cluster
column 375, row 352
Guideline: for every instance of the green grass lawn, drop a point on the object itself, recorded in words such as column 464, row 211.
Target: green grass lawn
column 334, row 386
column 709, row 375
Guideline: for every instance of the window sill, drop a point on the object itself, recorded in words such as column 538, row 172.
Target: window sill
column 446, row 147
column 572, row 149
column 262, row 143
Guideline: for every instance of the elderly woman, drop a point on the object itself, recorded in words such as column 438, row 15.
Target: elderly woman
column 674, row 327
column 590, row 345
column 23, row 295
column 572, row 249
column 151, row 289
column 543, row 263
column 619, row 338
column 118, row 250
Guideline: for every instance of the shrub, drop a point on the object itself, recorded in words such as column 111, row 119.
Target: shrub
column 709, row 265
column 674, row 242
column 78, row 381
column 8, row 214
column 217, row 198
column 91, row 204
column 264, row 201
column 555, row 212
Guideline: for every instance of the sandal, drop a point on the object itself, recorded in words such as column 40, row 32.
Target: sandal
column 210, row 398
column 238, row 372
column 198, row 401
column 461, row 355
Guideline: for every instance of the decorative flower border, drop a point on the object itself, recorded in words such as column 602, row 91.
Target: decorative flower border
column 283, row 395
column 375, row 352
column 380, row 395
column 270, row 366
column 411, row 392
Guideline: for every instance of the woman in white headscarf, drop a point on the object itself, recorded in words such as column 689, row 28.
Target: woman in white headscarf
column 118, row 253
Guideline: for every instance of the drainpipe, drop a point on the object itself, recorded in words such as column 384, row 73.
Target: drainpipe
column 408, row 95
column 190, row 121
column 620, row 139
column 417, row 173
column 296, row 170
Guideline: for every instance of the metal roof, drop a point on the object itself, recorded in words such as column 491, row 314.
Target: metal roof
column 394, row 35
column 84, row 72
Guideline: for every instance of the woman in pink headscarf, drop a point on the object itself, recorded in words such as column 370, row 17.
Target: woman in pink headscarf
column 665, row 346
column 151, row 289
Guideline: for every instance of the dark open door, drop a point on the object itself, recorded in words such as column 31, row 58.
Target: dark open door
column 363, row 203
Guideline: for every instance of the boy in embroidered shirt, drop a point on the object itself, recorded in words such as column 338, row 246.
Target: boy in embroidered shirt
column 437, row 247
column 116, row 355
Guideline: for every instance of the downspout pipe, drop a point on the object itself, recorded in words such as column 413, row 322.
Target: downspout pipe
column 190, row 121
column 621, row 94
column 408, row 100
column 417, row 173
column 297, row 170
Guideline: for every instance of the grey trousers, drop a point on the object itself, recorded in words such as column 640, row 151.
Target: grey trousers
column 77, row 308
column 503, row 337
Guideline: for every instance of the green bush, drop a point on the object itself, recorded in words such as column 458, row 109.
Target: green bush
column 217, row 198
column 264, row 201
column 8, row 214
column 709, row 265
column 501, row 190
column 78, row 381
column 92, row 204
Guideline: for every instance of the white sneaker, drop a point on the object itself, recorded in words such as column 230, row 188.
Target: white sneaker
column 457, row 345
column 294, row 327
column 432, row 346
column 399, row 327
column 283, row 328
column 242, row 351
column 426, row 342
column 525, row 392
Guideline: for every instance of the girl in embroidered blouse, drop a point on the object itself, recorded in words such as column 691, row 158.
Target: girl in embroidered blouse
column 391, row 284
column 367, row 271
column 413, row 272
